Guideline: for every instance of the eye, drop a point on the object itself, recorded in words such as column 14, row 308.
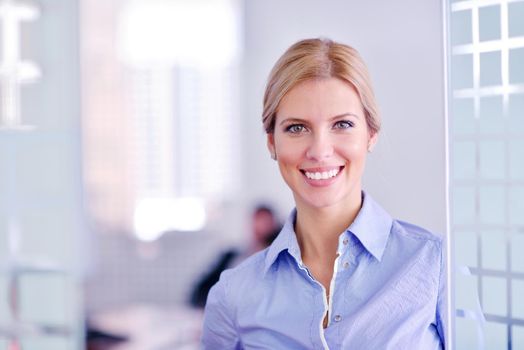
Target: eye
column 343, row 124
column 295, row 128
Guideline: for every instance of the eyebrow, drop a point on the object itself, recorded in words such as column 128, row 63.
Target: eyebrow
column 333, row 118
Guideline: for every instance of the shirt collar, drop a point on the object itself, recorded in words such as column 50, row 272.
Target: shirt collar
column 371, row 226
column 286, row 240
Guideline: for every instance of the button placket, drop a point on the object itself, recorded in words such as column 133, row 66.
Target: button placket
column 345, row 243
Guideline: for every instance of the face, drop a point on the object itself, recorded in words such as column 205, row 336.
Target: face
column 321, row 140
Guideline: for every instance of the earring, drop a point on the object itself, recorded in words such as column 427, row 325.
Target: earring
column 274, row 156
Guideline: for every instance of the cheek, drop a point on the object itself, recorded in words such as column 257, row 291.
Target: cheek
column 287, row 163
column 289, row 159
column 289, row 152
column 355, row 150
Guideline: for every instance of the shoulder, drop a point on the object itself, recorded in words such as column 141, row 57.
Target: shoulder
column 410, row 231
column 416, row 244
column 230, row 290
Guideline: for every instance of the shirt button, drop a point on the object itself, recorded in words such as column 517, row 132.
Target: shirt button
column 338, row 318
column 345, row 241
column 346, row 265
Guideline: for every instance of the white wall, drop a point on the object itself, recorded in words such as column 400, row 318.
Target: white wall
column 401, row 42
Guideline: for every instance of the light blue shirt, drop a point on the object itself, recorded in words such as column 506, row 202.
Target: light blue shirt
column 387, row 292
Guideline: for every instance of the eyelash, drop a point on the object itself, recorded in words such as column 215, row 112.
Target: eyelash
column 341, row 124
column 349, row 124
column 290, row 128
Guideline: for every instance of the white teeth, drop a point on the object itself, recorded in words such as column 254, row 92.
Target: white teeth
column 322, row 175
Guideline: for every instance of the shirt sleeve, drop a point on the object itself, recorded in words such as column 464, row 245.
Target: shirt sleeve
column 219, row 329
column 442, row 301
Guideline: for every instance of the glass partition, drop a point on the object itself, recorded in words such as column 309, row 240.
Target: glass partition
column 41, row 221
column 486, row 137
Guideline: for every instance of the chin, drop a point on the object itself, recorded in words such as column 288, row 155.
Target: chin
column 320, row 201
column 326, row 199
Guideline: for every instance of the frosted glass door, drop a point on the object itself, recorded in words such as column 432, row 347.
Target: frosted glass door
column 486, row 134
column 41, row 221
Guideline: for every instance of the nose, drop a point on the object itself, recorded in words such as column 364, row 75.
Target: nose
column 320, row 147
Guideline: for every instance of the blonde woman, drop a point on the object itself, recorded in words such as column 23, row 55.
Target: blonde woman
column 342, row 274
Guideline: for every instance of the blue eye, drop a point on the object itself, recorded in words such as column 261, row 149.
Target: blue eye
column 343, row 124
column 295, row 128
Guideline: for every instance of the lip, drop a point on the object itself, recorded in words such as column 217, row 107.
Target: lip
column 322, row 182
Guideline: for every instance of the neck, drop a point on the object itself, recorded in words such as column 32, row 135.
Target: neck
column 318, row 229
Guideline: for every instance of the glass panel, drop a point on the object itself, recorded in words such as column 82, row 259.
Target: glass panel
column 496, row 335
column 59, row 234
column 492, row 204
column 44, row 180
column 490, row 68
column 48, row 343
column 463, row 121
column 516, row 205
column 4, row 192
column 461, row 27
column 489, row 23
column 491, row 115
column 516, row 18
column 494, row 291
column 56, row 292
column 516, row 159
column 487, row 192
column 517, row 337
column 517, row 257
column 516, row 113
column 517, row 301
column 4, row 243
column 466, row 244
column 51, row 159
column 492, row 160
column 4, row 308
column 462, row 68
column 464, row 160
column 516, row 68
column 466, row 292
column 463, row 205
column 493, row 250
column 466, row 334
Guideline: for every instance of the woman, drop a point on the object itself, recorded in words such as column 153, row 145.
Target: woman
column 342, row 274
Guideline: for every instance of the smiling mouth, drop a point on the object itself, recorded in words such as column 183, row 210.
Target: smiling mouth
column 322, row 175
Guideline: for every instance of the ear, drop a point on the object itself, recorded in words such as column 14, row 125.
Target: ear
column 271, row 144
column 373, row 138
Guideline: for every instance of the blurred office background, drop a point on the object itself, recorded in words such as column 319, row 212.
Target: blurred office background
column 132, row 153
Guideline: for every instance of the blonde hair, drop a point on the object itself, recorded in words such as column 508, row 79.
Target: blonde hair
column 319, row 59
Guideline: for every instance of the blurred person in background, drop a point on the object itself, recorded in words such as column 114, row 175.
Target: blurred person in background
column 342, row 273
column 264, row 229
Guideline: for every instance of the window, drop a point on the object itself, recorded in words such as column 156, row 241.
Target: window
column 161, row 115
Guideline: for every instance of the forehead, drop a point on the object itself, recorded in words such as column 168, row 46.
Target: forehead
column 322, row 98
